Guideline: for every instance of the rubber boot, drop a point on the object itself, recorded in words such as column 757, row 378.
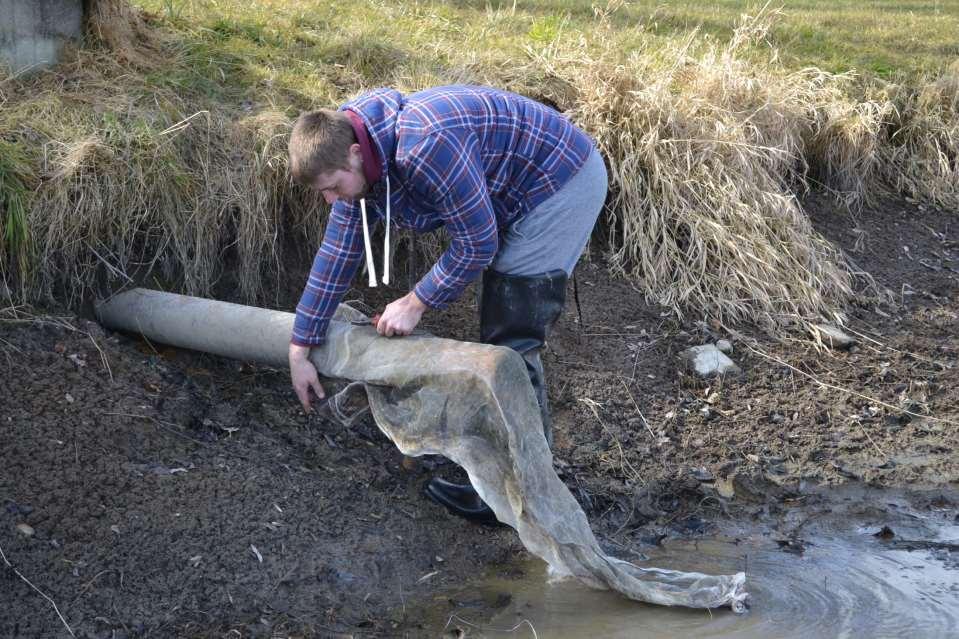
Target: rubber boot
column 462, row 500
column 519, row 311
column 516, row 311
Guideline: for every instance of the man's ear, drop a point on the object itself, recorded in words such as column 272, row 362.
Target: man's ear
column 355, row 155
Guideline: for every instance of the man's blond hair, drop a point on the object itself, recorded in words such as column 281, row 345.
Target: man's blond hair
column 320, row 143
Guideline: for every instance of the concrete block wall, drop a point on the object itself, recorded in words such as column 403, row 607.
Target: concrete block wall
column 33, row 32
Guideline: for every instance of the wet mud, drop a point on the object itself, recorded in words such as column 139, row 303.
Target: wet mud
column 154, row 492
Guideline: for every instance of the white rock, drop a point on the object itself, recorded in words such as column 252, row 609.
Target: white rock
column 725, row 346
column 25, row 529
column 707, row 361
column 833, row 337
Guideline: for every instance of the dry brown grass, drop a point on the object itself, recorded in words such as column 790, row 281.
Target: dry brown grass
column 139, row 182
column 171, row 200
column 922, row 152
column 708, row 154
column 150, row 195
column 267, row 205
column 122, row 30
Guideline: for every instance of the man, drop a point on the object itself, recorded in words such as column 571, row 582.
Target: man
column 516, row 185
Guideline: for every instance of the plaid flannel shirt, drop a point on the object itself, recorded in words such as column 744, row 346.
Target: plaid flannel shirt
column 472, row 159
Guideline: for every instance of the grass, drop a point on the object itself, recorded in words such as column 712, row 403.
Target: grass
column 160, row 148
column 15, row 248
column 886, row 38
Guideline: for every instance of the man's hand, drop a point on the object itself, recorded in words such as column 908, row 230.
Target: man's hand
column 304, row 376
column 402, row 316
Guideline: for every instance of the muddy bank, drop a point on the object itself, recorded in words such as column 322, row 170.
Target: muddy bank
column 191, row 495
column 174, row 494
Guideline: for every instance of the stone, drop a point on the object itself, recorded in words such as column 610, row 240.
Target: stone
column 33, row 33
column 725, row 346
column 25, row 529
column 703, row 474
column 833, row 337
column 709, row 361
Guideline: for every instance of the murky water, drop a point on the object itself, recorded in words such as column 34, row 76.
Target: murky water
column 846, row 583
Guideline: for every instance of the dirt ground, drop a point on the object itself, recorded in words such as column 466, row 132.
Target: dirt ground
column 154, row 492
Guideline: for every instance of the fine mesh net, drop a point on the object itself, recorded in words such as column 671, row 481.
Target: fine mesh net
column 473, row 404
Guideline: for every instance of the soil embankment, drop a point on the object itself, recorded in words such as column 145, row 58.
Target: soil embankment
column 154, row 492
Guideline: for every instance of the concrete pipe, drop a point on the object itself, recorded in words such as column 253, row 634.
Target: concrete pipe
column 220, row 328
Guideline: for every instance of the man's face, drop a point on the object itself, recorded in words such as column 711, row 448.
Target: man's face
column 345, row 184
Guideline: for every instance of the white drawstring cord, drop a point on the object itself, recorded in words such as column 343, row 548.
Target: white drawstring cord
column 386, row 244
column 370, row 269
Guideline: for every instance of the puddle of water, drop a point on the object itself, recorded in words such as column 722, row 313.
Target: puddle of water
column 838, row 587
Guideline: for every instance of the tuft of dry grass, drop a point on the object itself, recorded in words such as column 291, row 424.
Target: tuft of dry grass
column 706, row 154
column 266, row 202
column 844, row 152
column 121, row 29
column 172, row 199
column 921, row 154
column 136, row 181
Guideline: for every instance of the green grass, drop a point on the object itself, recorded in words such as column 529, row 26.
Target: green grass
column 14, row 230
column 883, row 37
column 314, row 50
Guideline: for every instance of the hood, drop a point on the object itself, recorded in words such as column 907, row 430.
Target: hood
column 379, row 109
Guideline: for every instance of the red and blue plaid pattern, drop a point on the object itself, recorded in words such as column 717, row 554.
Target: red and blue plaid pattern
column 471, row 158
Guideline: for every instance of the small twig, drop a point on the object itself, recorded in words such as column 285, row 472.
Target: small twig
column 643, row 417
column 103, row 356
column 183, row 124
column 145, row 338
column 473, row 625
column 572, row 363
column 622, row 454
column 643, row 349
column 629, row 517
column 10, row 345
column 848, row 391
column 164, row 426
column 39, row 319
column 89, row 584
column 27, row 581
column 896, row 350
column 881, row 452
column 757, row 147
column 632, row 376
column 110, row 267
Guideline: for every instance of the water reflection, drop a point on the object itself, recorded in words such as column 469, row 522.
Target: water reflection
column 836, row 587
